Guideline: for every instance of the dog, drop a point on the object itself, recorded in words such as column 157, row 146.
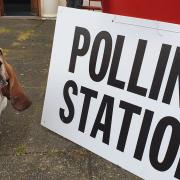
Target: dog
column 10, row 88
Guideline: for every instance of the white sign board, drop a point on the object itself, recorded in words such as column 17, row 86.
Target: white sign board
column 113, row 88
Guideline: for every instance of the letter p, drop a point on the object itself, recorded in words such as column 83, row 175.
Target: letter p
column 76, row 51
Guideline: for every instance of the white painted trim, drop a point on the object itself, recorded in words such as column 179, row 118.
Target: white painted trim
column 49, row 8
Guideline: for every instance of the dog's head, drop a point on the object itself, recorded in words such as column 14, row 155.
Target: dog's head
column 10, row 86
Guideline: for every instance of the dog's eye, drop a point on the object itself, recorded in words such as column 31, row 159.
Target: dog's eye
column 8, row 81
column 0, row 63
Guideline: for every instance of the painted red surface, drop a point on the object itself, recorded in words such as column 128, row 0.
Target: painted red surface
column 162, row 10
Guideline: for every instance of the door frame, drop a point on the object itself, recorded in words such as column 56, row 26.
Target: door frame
column 39, row 8
column 38, row 2
column 2, row 8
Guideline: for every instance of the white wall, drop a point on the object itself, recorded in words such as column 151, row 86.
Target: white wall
column 49, row 8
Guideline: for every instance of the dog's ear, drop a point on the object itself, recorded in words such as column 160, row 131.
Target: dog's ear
column 14, row 91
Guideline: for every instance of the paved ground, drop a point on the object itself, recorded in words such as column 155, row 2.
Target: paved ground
column 27, row 150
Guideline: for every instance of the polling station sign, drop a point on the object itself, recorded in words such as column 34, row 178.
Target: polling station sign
column 113, row 88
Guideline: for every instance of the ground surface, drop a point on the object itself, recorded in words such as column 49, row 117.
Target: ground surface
column 27, row 150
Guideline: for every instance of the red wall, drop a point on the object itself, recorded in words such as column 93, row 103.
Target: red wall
column 163, row 10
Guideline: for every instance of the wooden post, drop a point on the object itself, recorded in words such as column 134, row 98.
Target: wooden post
column 36, row 7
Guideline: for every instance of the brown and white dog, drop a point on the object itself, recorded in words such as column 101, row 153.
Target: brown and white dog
column 10, row 88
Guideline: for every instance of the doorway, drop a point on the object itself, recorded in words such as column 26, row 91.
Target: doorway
column 20, row 7
column 17, row 7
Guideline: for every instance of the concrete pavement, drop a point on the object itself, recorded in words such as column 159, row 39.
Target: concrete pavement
column 28, row 151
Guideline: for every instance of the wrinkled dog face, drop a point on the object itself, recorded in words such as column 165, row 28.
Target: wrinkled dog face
column 3, row 83
column 3, row 74
column 10, row 87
